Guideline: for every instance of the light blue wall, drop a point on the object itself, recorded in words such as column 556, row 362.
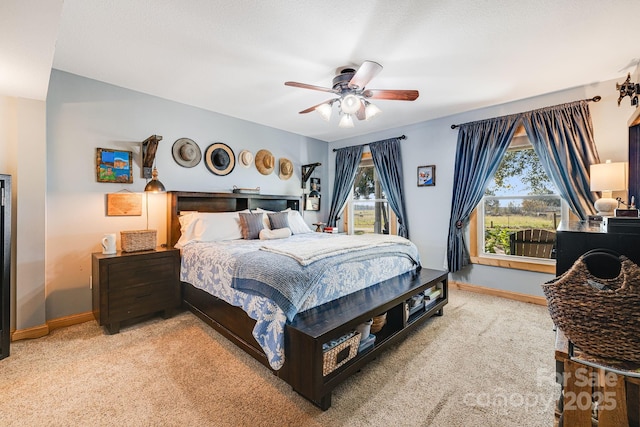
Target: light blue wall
column 84, row 114
column 433, row 142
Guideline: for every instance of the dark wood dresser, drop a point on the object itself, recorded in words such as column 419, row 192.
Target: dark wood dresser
column 129, row 285
column 575, row 238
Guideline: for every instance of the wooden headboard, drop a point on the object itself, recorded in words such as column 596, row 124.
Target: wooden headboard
column 180, row 201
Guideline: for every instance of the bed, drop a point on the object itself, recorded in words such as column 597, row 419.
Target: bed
column 291, row 338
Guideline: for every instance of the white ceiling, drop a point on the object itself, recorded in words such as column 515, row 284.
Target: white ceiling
column 233, row 57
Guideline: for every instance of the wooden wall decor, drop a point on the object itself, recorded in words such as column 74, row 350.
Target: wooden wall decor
column 149, row 148
column 124, row 204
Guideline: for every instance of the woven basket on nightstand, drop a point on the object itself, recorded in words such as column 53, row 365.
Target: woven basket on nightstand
column 137, row 240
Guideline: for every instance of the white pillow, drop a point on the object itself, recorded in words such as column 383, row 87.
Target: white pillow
column 209, row 227
column 296, row 222
column 276, row 233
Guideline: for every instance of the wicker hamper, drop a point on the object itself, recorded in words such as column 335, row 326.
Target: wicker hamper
column 339, row 352
column 600, row 316
column 137, row 240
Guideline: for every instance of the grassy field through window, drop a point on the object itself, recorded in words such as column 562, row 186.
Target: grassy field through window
column 498, row 229
column 364, row 217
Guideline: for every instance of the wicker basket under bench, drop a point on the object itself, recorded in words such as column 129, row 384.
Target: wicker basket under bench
column 306, row 335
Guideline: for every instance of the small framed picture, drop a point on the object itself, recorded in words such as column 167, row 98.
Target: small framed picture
column 315, row 184
column 426, row 175
column 114, row 166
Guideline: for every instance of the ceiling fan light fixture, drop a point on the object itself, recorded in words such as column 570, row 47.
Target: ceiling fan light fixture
column 352, row 98
column 350, row 104
column 346, row 121
column 370, row 110
column 325, row 111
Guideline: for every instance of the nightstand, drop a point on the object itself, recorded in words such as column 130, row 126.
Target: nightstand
column 128, row 285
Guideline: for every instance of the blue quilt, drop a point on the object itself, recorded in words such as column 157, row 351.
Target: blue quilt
column 283, row 280
column 210, row 266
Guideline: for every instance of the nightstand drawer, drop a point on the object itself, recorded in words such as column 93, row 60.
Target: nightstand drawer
column 140, row 300
column 128, row 274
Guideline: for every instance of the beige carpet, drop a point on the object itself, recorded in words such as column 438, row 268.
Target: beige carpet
column 486, row 362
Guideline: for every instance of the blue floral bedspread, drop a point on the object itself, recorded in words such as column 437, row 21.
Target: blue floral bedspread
column 210, row 265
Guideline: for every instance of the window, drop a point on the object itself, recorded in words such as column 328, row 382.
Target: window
column 514, row 225
column 367, row 208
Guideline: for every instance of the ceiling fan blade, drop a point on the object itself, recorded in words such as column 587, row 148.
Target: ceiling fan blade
column 365, row 73
column 361, row 113
column 310, row 109
column 397, row 95
column 306, row 86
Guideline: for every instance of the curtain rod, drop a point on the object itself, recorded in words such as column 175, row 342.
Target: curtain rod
column 397, row 137
column 596, row 98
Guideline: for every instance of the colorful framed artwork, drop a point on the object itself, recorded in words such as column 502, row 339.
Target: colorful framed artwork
column 426, row 176
column 114, row 166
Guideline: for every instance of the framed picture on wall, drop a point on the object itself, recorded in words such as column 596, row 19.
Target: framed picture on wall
column 426, row 176
column 315, row 182
column 311, row 203
column 114, row 166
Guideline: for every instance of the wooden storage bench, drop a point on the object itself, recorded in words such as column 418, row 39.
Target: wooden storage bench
column 312, row 328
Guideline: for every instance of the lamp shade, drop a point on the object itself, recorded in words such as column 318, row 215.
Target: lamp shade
column 346, row 121
column 607, row 177
column 154, row 186
column 325, row 111
column 370, row 110
column 350, row 104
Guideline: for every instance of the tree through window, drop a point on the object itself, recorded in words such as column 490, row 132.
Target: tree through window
column 368, row 208
column 521, row 208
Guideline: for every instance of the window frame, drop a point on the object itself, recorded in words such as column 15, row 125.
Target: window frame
column 347, row 222
column 516, row 262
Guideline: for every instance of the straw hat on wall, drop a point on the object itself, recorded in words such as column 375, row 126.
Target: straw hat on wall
column 245, row 158
column 265, row 162
column 286, row 169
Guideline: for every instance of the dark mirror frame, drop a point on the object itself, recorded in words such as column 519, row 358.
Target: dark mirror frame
column 311, row 203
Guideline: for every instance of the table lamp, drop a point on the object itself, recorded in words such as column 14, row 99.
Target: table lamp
column 606, row 178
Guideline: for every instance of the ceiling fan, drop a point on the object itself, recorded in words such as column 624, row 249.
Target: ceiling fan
column 353, row 97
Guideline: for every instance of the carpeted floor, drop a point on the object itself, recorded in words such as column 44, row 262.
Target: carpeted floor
column 487, row 362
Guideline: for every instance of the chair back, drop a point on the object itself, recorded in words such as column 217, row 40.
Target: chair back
column 533, row 242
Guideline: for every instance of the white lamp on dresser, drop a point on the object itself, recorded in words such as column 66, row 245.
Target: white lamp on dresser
column 606, row 178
